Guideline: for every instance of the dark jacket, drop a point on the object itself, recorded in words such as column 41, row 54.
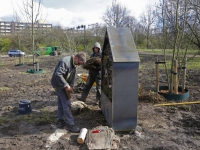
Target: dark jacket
column 96, row 72
column 64, row 73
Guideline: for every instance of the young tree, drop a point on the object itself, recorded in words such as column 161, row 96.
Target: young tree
column 147, row 19
column 5, row 44
column 174, row 14
column 30, row 11
column 118, row 16
column 193, row 22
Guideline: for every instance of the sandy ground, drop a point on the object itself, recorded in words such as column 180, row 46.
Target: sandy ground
column 163, row 128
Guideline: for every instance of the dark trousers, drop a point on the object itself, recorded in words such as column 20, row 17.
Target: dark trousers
column 90, row 81
column 64, row 107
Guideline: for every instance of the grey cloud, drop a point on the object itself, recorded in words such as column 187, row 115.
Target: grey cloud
column 7, row 18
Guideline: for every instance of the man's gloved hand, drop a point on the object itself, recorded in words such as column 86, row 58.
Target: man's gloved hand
column 69, row 90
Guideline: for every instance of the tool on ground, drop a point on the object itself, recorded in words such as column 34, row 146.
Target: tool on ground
column 182, row 103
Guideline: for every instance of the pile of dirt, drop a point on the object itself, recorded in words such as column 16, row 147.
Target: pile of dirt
column 151, row 97
column 92, row 63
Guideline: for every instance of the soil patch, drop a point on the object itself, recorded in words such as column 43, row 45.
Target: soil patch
column 163, row 128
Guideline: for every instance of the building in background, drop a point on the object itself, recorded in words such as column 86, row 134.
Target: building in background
column 11, row 27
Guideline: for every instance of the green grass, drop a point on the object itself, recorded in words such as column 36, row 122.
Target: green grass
column 42, row 118
column 192, row 63
column 3, row 120
column 4, row 89
column 197, row 137
column 168, row 51
column 1, row 62
column 30, row 59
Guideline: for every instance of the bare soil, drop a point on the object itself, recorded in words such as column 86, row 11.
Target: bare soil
column 163, row 128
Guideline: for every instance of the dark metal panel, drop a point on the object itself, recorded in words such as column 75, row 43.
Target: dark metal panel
column 125, row 95
column 122, row 45
column 106, row 108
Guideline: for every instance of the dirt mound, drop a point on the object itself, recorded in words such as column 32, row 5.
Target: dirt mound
column 92, row 63
column 151, row 97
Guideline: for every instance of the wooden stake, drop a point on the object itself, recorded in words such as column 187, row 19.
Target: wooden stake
column 175, row 77
column 184, row 75
column 157, row 78
column 20, row 59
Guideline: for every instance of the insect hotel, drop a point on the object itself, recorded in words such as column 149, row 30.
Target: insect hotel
column 119, row 87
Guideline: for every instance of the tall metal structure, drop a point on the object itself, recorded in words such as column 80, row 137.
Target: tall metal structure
column 119, row 89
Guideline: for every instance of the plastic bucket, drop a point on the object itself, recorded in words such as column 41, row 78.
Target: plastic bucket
column 24, row 107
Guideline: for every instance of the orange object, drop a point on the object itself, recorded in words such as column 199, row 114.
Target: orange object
column 84, row 78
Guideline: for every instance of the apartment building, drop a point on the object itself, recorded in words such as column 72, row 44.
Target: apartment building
column 11, row 27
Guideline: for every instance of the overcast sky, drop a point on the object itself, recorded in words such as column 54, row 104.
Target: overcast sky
column 71, row 13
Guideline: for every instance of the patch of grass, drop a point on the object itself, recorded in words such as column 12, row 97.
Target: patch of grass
column 30, row 59
column 173, row 107
column 141, row 66
column 3, row 120
column 197, row 137
column 156, row 51
column 4, row 89
column 23, row 72
column 169, row 51
column 192, row 63
column 45, row 71
column 42, row 118
column 150, row 79
column 1, row 64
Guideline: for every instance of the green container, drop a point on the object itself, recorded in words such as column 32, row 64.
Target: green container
column 174, row 97
column 19, row 65
column 33, row 71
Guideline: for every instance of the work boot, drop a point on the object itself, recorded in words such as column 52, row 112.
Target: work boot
column 81, row 99
column 72, row 128
column 60, row 123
